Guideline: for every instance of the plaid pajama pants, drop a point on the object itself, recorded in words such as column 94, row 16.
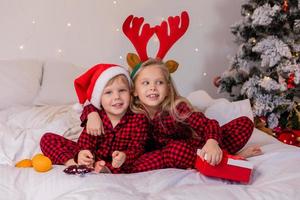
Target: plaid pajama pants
column 58, row 148
column 179, row 154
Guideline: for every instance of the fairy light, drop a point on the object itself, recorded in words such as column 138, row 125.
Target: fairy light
column 33, row 22
column 204, row 74
column 59, row 51
column 117, row 29
column 196, row 49
column 21, row 47
column 115, row 2
column 121, row 57
column 69, row 24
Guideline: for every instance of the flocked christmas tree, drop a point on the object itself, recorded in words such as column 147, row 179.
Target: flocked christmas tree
column 266, row 67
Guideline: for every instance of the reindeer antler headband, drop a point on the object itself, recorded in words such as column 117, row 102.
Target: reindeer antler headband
column 167, row 32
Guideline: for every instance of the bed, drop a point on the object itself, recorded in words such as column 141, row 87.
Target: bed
column 40, row 106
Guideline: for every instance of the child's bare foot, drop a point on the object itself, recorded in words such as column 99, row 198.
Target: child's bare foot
column 250, row 152
column 70, row 162
column 100, row 167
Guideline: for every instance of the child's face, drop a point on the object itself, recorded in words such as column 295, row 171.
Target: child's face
column 116, row 97
column 151, row 87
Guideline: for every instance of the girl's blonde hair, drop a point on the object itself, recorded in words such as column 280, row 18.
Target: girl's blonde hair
column 172, row 99
column 120, row 77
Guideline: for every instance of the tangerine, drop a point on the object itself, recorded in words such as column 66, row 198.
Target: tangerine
column 24, row 163
column 41, row 163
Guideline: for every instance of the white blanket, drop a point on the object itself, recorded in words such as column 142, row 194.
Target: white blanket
column 276, row 173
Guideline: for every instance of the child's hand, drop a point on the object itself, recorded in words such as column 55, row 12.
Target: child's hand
column 211, row 152
column 85, row 157
column 94, row 124
column 100, row 167
column 118, row 158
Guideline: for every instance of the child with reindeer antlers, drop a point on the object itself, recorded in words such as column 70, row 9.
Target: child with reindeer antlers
column 178, row 130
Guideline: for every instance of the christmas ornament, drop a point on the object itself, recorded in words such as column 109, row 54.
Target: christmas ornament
column 285, row 6
column 295, row 54
column 290, row 81
column 217, row 81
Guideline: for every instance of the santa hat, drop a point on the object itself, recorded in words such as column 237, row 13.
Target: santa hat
column 89, row 86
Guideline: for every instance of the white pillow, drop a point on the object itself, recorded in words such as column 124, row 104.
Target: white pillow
column 58, row 83
column 224, row 112
column 201, row 99
column 19, row 81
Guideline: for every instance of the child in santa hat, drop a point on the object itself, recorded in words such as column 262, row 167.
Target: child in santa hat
column 107, row 88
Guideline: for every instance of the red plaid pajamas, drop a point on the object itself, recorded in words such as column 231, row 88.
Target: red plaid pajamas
column 177, row 145
column 174, row 144
column 128, row 136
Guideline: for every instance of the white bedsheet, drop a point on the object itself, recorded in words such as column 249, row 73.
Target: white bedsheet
column 276, row 174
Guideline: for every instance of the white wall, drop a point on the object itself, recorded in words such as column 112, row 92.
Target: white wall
column 41, row 28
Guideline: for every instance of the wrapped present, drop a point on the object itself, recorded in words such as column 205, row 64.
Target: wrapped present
column 231, row 167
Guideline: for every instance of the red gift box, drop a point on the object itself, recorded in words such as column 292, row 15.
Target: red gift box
column 231, row 167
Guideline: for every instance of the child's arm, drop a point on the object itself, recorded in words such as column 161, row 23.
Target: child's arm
column 202, row 126
column 138, row 138
column 87, row 141
column 207, row 128
column 91, row 119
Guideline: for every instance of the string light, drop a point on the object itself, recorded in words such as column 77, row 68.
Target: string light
column 115, row 2
column 33, row 22
column 196, row 49
column 117, row 29
column 59, row 51
column 69, row 24
column 204, row 74
column 266, row 78
column 121, row 57
column 21, row 47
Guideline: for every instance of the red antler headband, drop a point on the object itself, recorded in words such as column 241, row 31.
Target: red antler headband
column 131, row 28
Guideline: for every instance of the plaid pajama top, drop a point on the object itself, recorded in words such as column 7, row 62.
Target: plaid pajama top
column 195, row 129
column 164, row 128
column 128, row 136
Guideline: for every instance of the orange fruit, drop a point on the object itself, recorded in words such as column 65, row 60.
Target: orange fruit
column 24, row 163
column 41, row 163
column 37, row 155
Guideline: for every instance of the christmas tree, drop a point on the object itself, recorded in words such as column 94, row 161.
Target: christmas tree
column 266, row 67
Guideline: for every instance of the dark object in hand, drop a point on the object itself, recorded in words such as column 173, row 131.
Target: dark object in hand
column 77, row 169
